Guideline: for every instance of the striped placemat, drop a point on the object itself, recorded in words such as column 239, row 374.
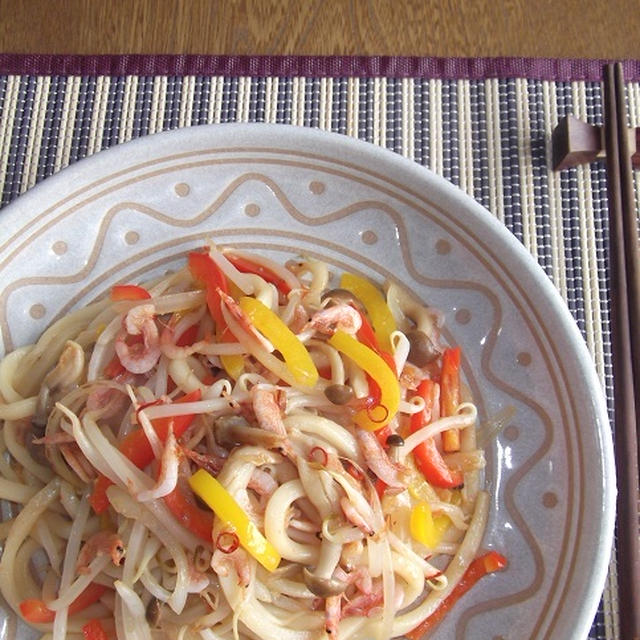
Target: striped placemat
column 485, row 125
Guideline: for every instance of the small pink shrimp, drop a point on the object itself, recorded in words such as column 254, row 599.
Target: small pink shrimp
column 340, row 316
column 264, row 484
column 99, row 398
column 76, row 460
column 139, row 358
column 237, row 560
column 299, row 320
column 411, row 376
column 243, row 320
column 107, row 399
column 332, row 615
column 168, row 344
column 59, row 437
column 211, row 463
column 198, row 581
column 360, row 577
column 266, row 406
column 354, row 516
column 168, row 338
column 99, row 544
column 168, row 476
column 365, row 604
column 378, row 460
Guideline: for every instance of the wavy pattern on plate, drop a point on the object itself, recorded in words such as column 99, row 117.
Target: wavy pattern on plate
column 329, row 217
column 376, row 205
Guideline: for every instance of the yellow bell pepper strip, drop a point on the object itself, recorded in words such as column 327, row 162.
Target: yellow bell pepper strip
column 480, row 567
column 367, row 337
column 450, row 396
column 233, row 364
column 295, row 354
column 205, row 271
column 425, row 527
column 234, row 518
column 375, row 304
column 377, row 368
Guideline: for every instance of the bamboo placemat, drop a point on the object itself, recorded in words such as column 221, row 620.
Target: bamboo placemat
column 483, row 124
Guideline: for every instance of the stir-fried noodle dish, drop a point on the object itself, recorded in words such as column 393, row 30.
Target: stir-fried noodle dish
column 241, row 449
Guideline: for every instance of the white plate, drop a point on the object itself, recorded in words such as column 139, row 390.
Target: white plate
column 133, row 211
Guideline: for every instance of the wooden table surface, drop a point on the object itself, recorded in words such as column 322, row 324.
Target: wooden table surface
column 544, row 28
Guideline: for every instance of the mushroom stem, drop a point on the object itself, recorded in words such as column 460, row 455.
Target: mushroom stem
column 330, row 553
column 320, row 580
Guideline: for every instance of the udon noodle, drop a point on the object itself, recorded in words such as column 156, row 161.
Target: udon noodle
column 241, row 449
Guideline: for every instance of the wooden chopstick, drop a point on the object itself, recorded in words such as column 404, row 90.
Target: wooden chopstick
column 630, row 234
column 625, row 315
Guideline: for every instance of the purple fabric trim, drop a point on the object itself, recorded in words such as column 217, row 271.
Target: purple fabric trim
column 561, row 69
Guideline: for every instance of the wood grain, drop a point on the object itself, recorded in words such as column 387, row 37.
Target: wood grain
column 545, row 28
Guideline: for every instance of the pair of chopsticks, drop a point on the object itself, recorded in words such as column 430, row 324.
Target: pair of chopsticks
column 625, row 319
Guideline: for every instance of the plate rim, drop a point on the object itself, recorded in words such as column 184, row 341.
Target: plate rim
column 14, row 210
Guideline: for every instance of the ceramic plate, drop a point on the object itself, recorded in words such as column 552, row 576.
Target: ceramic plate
column 132, row 212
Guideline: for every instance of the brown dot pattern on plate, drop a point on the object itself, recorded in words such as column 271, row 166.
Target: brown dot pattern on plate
column 131, row 237
column 524, row 358
column 37, row 311
column 463, row 316
column 182, row 189
column 252, row 209
column 316, row 187
column 60, row 247
column 549, row 499
column 511, row 432
column 443, row 246
column 369, row 237
column 498, row 638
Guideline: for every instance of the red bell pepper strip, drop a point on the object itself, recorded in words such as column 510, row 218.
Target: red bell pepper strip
column 376, row 305
column 184, row 508
column 450, row 395
column 188, row 337
column 380, row 486
column 384, row 433
column 36, row 611
column 207, row 272
column 325, row 372
column 98, row 498
column 129, row 292
column 245, row 265
column 114, row 368
column 434, row 468
column 482, row 566
column 94, row 630
column 367, row 336
column 137, row 448
column 426, row 455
